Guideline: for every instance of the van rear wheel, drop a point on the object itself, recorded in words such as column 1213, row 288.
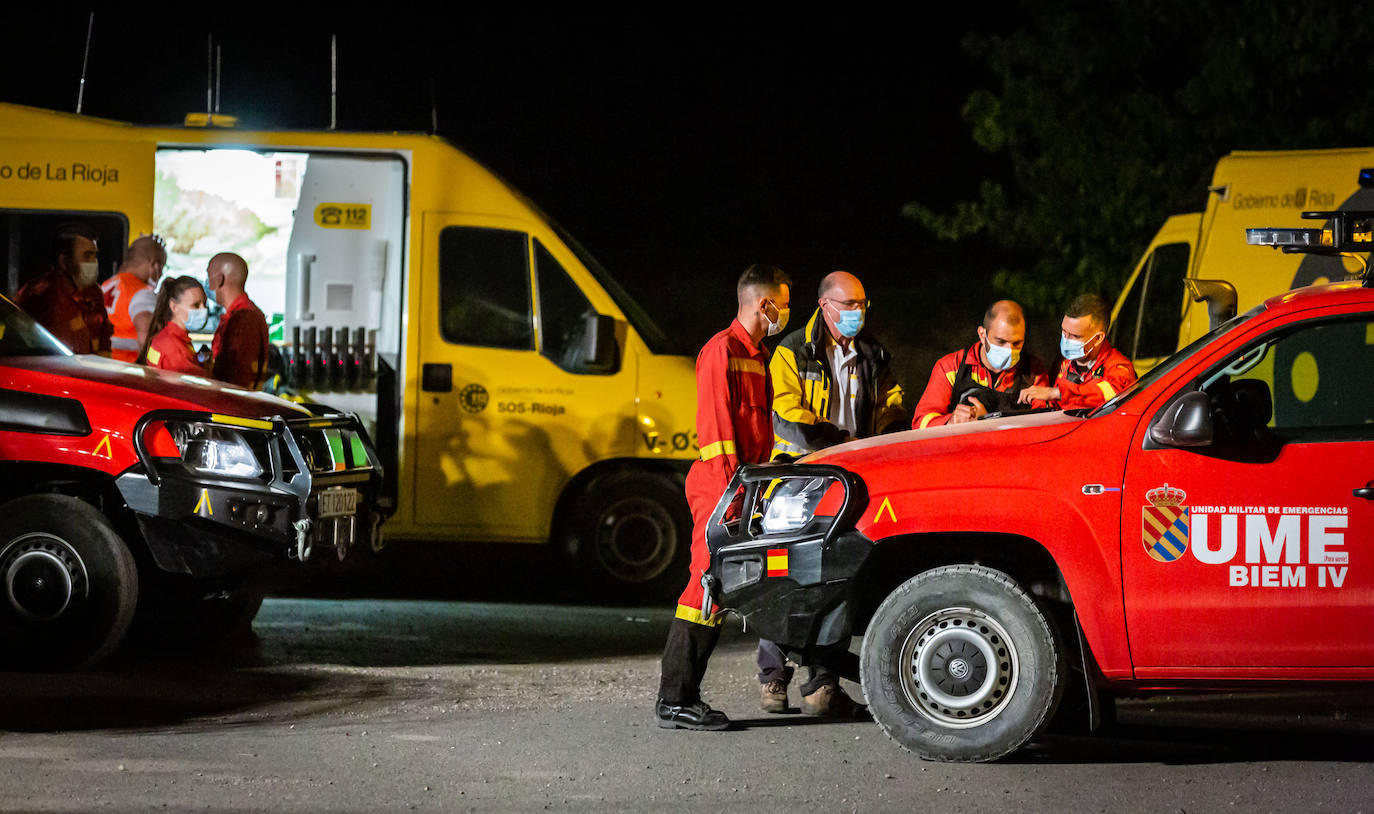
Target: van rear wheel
column 68, row 584
column 630, row 535
column 961, row 664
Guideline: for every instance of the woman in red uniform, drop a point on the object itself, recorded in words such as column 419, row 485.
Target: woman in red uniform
column 180, row 302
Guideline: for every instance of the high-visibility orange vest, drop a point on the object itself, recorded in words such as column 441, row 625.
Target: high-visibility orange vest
column 119, row 295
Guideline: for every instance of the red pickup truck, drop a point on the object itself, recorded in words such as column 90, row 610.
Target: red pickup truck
column 1204, row 529
column 124, row 489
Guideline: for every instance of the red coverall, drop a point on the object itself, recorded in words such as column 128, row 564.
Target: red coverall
column 77, row 318
column 1111, row 372
column 240, row 345
column 734, row 426
column 171, row 350
column 933, row 408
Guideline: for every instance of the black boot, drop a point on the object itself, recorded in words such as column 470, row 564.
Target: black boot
column 685, row 657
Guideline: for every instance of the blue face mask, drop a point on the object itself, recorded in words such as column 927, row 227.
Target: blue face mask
column 1001, row 358
column 850, row 323
column 1072, row 349
column 196, row 319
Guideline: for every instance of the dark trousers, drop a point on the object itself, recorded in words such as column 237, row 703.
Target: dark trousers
column 684, row 661
column 823, row 668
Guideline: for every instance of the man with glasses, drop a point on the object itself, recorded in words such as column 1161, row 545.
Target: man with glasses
column 832, row 383
column 993, row 363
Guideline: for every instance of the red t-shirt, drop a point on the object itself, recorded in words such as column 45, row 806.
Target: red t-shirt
column 240, row 346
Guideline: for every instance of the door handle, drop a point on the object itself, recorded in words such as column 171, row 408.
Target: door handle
column 1366, row 492
column 436, row 378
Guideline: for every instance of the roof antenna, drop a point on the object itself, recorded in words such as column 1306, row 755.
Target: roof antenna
column 219, row 74
column 81, row 91
column 433, row 109
column 333, row 81
column 209, row 74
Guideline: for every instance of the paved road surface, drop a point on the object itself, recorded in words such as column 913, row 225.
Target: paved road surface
column 368, row 705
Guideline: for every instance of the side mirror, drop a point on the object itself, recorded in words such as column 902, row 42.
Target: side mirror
column 600, row 352
column 1186, row 422
column 1220, row 297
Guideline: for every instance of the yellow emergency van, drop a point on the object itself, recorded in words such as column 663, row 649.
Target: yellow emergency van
column 515, row 391
column 1198, row 260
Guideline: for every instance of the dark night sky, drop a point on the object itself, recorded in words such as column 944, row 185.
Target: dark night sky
column 678, row 149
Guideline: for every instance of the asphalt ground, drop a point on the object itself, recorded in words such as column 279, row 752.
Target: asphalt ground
column 463, row 704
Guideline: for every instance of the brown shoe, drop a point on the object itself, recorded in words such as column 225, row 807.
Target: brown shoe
column 773, row 697
column 829, row 701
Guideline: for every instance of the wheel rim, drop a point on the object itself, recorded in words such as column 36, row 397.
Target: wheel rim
column 959, row 667
column 43, row 575
column 635, row 539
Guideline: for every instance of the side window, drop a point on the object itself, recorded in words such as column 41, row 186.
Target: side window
column 1147, row 325
column 1123, row 331
column 1163, row 310
column 27, row 245
column 563, row 312
column 484, row 288
column 1307, row 384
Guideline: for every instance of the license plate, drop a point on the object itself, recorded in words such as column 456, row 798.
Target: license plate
column 338, row 502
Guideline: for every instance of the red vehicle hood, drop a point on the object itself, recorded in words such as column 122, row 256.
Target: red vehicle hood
column 977, row 438
column 94, row 378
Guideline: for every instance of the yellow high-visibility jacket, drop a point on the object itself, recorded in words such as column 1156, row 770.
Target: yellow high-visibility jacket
column 802, row 381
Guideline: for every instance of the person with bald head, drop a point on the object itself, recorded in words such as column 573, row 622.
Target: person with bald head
column 832, row 382
column 131, row 295
column 994, row 362
column 239, row 352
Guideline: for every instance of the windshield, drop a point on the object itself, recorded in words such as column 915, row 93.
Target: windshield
column 21, row 336
column 1177, row 359
column 652, row 335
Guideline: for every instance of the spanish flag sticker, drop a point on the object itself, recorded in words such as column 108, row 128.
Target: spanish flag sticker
column 777, row 562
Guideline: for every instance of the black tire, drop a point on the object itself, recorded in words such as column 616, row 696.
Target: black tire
column 185, row 616
column 630, row 534
column 960, row 664
column 68, row 584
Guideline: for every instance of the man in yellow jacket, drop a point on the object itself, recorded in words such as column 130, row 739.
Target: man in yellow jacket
column 831, row 383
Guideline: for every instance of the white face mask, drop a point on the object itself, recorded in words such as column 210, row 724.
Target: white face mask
column 775, row 328
column 86, row 274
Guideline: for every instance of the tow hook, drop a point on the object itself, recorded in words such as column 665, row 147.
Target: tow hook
column 707, row 583
column 377, row 541
column 302, row 527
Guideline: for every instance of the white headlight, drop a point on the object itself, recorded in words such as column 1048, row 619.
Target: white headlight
column 787, row 512
column 793, row 503
column 216, row 451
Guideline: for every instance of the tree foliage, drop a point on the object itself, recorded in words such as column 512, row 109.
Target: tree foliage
column 1108, row 116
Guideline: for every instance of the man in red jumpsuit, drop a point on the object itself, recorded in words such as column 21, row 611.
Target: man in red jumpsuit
column 734, row 427
column 1092, row 371
column 995, row 362
column 66, row 299
column 239, row 351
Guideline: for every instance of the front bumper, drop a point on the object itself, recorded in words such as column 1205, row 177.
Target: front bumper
column 318, row 495
column 803, row 600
